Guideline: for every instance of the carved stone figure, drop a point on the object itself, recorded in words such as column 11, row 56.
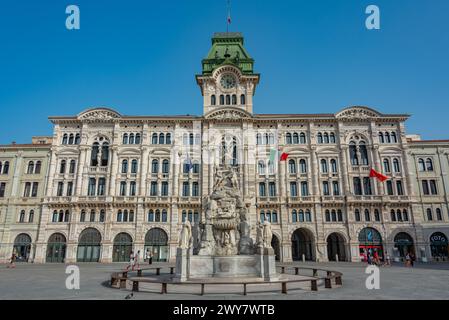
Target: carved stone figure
column 185, row 240
column 267, row 234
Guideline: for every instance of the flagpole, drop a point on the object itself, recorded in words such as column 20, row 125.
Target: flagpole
column 228, row 19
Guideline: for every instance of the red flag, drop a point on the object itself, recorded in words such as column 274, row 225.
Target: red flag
column 374, row 174
column 284, row 156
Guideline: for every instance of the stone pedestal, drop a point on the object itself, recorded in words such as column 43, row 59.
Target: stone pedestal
column 259, row 266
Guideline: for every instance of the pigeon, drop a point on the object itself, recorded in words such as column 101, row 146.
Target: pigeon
column 129, row 296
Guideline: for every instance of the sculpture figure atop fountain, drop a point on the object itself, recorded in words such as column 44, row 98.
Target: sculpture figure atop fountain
column 225, row 227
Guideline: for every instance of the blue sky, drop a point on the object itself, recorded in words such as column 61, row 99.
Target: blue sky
column 140, row 58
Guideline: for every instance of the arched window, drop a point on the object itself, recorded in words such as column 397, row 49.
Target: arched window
column 334, row 165
column 405, row 215
column 439, row 215
column 61, row 216
column 67, row 216
column 62, row 167
column 125, row 166
column 399, row 215
column 72, row 166
column 381, row 137
column 77, row 139
column 294, row 216
column 387, row 137
column 328, row 216
column 30, row 167
column 164, row 215
column 320, row 137
column 31, row 216
column 151, row 215
column 165, row 166
column 261, row 167
column 22, row 216
column 134, row 166
column 259, row 139
column 137, row 138
column 396, row 166
column 323, row 166
column 54, row 217
column 429, row 214
column 154, row 138
column 288, row 138
column 222, row 100
column 393, row 137
column 302, row 138
column 353, row 154
column 155, row 166
column 242, row 99
column 234, row 99
column 295, row 138
column 191, row 139
column 334, row 215
column 265, row 139
column 291, row 166
column 65, row 138
column 301, row 216
column 119, row 216
column 303, row 166
column 421, row 165
column 429, row 164
column 332, row 137
column 131, row 138
column 339, row 215
column 308, row 216
column 161, row 138
column 125, row 138
column 357, row 215
column 94, row 154
column 271, row 138
column 376, row 215
column 386, row 165
column 228, row 99
column 6, row 167
column 326, row 138
column 71, row 138
column 213, row 100
column 392, row 215
column 168, row 138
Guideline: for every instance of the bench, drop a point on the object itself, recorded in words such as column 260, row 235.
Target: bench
column 118, row 279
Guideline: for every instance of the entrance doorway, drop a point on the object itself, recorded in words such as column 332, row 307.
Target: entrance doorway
column 89, row 246
column 302, row 244
column 156, row 240
column 336, row 247
column 22, row 247
column 370, row 242
column 404, row 243
column 276, row 247
column 123, row 245
column 439, row 246
column 56, row 248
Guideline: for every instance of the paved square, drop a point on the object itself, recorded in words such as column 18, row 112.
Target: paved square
column 47, row 281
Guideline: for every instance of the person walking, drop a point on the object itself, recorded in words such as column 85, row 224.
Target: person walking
column 150, row 256
column 376, row 257
column 369, row 258
column 412, row 259
column 12, row 261
column 131, row 261
column 387, row 259
column 407, row 260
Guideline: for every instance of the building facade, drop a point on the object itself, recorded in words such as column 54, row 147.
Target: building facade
column 119, row 183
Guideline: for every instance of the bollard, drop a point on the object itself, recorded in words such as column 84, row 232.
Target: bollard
column 164, row 288
column 171, row 270
column 202, row 289
column 296, row 271
column 139, row 272
column 284, row 287
column 303, row 257
column 315, row 272
column 135, row 285
column 314, row 285
column 336, row 258
column 244, row 289
column 282, row 269
column 158, row 271
column 338, row 281
column 327, row 283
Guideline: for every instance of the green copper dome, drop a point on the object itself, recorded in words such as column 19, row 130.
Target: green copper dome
column 227, row 48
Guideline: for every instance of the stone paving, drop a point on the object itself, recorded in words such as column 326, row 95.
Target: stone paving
column 47, row 281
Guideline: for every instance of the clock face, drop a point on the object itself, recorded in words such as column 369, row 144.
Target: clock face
column 228, row 81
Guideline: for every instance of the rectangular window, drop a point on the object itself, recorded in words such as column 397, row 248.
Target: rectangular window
column 185, row 189
column 325, row 188
column 272, row 189
column 367, row 186
column 92, row 185
column 390, row 188
column 2, row 189
column 195, row 189
column 69, row 189
column 357, row 187
column 304, row 189
column 433, row 187
column 425, row 187
column 399, row 188
column 262, row 189
column 60, row 190
column 27, row 190
column 336, row 188
column 34, row 190
column 132, row 189
column 164, row 189
column 123, row 188
column 293, row 189
column 153, row 189
column 101, row 186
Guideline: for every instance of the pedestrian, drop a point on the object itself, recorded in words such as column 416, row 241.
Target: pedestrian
column 149, row 256
column 131, row 261
column 12, row 261
column 376, row 257
column 387, row 259
column 369, row 258
column 136, row 260
column 407, row 260
column 412, row 259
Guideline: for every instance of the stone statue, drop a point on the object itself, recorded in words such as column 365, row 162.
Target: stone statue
column 99, row 156
column 267, row 234
column 259, row 235
column 185, row 240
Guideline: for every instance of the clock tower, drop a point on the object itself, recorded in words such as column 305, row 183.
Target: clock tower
column 227, row 79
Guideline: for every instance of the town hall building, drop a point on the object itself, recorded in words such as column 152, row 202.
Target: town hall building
column 105, row 184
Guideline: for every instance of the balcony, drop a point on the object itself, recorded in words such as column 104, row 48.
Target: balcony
column 361, row 168
column 267, row 199
column 154, row 199
column 332, row 199
column 397, row 198
column 98, row 169
column 306, row 199
column 364, row 198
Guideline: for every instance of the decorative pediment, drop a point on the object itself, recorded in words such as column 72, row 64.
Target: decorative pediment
column 228, row 114
column 357, row 113
column 99, row 115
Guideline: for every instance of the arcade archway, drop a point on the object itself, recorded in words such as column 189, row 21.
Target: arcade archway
column 123, row 245
column 303, row 245
column 403, row 242
column 56, row 248
column 22, row 247
column 156, row 240
column 336, row 246
column 89, row 246
column 370, row 241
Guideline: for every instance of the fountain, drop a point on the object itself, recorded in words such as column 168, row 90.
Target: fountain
column 226, row 249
